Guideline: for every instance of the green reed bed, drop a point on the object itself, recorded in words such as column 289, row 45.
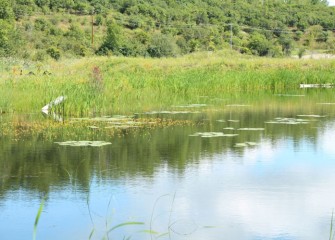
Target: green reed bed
column 121, row 85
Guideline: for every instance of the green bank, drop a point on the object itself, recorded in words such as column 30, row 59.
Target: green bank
column 119, row 85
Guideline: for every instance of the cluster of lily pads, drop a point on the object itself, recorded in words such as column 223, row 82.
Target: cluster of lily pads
column 170, row 112
column 116, row 121
column 288, row 121
column 212, row 134
column 301, row 119
column 311, row 116
column 221, row 134
column 84, row 143
column 246, row 144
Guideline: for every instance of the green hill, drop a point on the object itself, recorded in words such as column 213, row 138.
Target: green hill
column 40, row 29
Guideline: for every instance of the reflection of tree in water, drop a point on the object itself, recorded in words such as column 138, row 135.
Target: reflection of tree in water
column 40, row 166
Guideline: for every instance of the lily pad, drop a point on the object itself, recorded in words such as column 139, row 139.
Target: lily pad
column 240, row 145
column 238, row 105
column 84, row 143
column 212, row 134
column 288, row 121
column 312, row 116
column 220, row 120
column 229, row 128
column 235, row 121
column 170, row 112
column 251, row 129
column 246, row 144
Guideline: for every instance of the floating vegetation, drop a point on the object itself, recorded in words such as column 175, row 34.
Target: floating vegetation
column 290, row 95
column 238, row 105
column 170, row 112
column 191, row 106
column 114, row 118
column 117, row 122
column 251, row 129
column 229, row 128
column 212, row 134
column 289, row 121
column 234, row 121
column 84, row 143
column 87, row 127
column 246, row 144
column 220, row 120
column 312, row 116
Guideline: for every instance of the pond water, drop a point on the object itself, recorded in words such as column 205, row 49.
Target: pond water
column 248, row 168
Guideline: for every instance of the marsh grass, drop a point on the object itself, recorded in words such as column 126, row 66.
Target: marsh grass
column 102, row 85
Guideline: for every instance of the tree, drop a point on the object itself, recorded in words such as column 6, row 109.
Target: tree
column 259, row 45
column 112, row 40
column 286, row 42
column 162, row 46
column 54, row 53
column 6, row 35
column 6, row 11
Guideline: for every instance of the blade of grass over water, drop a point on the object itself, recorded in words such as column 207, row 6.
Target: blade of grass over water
column 39, row 212
column 124, row 224
column 153, row 212
column 91, row 234
column 331, row 233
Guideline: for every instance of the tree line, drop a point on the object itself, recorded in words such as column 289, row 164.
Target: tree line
column 40, row 29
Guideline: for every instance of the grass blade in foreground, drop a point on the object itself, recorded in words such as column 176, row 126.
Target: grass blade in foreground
column 124, row 224
column 331, row 233
column 37, row 218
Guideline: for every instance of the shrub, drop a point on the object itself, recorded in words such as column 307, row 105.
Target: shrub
column 162, row 46
column 54, row 53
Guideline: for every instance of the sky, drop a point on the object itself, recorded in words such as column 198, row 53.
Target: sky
column 331, row 2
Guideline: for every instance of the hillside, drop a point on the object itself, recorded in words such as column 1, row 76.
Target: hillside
column 42, row 29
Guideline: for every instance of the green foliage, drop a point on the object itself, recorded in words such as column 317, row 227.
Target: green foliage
column 6, row 11
column 54, row 53
column 187, row 26
column 259, row 44
column 162, row 45
column 112, row 40
column 7, row 34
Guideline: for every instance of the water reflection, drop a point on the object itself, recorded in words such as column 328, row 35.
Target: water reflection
column 181, row 186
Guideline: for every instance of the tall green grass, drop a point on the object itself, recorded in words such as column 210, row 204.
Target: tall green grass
column 136, row 84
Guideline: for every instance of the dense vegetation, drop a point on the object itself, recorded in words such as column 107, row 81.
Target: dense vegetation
column 118, row 85
column 40, row 29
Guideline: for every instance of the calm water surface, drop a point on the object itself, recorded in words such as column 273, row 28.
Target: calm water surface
column 181, row 186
